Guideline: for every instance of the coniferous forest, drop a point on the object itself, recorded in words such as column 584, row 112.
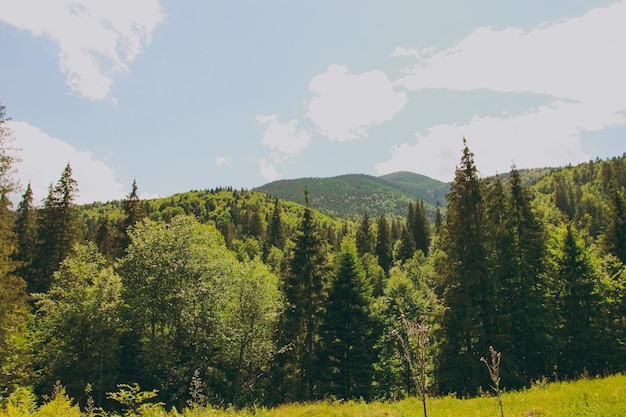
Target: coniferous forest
column 234, row 297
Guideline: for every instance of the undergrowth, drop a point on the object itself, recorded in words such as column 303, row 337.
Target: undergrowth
column 587, row 397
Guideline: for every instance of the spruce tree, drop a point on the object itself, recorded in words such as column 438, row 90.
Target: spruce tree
column 26, row 231
column 465, row 335
column 106, row 239
column 578, row 306
column 58, row 228
column 419, row 227
column 276, row 234
column 305, row 289
column 349, row 330
column 527, row 302
column 384, row 248
column 134, row 211
column 364, row 237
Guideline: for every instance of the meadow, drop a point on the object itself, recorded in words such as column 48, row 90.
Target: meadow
column 585, row 397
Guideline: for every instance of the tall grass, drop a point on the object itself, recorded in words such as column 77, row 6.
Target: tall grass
column 589, row 397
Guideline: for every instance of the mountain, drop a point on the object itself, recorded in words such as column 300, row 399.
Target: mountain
column 351, row 196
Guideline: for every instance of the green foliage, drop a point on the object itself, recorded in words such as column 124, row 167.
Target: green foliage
column 59, row 229
column 191, row 305
column 349, row 331
column 78, row 328
column 134, row 400
column 305, row 289
column 349, row 196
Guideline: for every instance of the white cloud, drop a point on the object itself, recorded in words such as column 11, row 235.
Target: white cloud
column 579, row 62
column 285, row 138
column 222, row 161
column 543, row 137
column 345, row 105
column 268, row 170
column 96, row 39
column 44, row 158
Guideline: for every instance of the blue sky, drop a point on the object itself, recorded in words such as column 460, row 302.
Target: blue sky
column 183, row 95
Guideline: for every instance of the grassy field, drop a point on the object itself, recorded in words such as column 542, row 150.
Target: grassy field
column 597, row 397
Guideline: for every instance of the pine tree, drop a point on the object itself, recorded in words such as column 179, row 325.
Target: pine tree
column 465, row 334
column 305, row 288
column 384, row 248
column 407, row 245
column 348, row 332
column 58, row 228
column 615, row 236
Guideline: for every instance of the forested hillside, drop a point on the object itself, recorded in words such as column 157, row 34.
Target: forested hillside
column 237, row 297
column 351, row 196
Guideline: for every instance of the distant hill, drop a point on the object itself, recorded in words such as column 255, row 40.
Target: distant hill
column 350, row 196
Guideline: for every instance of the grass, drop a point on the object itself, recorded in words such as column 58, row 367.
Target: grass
column 604, row 397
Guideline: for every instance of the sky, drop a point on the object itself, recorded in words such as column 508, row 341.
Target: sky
column 197, row 94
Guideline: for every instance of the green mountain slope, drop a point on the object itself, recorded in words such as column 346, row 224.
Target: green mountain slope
column 350, row 196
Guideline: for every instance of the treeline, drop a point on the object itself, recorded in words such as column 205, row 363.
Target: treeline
column 232, row 297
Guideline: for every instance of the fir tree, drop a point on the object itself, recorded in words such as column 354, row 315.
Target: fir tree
column 348, row 332
column 276, row 234
column 134, row 211
column 465, row 334
column 26, row 231
column 305, row 288
column 384, row 248
column 58, row 228
column 364, row 237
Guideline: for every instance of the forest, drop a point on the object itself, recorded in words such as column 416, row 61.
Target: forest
column 237, row 298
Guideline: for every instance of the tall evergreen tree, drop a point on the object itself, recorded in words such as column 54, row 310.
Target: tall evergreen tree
column 276, row 234
column 106, row 239
column 615, row 236
column 578, row 306
column 466, row 334
column 384, row 248
column 406, row 249
column 26, row 231
column 364, row 236
column 419, row 227
column 527, row 301
column 305, row 289
column 134, row 211
column 348, row 332
column 58, row 228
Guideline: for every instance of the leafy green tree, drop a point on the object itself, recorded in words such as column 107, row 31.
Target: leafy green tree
column 409, row 293
column 349, row 330
column 192, row 306
column 384, row 247
column 58, row 228
column 78, row 325
column 305, row 288
column 247, row 325
column 468, row 294
column 14, row 310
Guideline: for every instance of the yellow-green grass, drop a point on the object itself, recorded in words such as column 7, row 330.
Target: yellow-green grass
column 588, row 397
